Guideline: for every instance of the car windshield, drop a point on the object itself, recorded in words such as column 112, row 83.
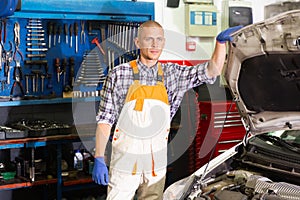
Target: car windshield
column 288, row 138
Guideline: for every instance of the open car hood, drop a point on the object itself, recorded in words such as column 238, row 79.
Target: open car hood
column 263, row 73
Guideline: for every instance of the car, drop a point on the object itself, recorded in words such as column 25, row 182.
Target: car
column 263, row 75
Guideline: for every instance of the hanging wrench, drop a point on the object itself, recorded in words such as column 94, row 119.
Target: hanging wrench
column 82, row 33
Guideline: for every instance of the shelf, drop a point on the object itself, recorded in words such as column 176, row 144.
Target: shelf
column 59, row 140
column 76, row 181
column 94, row 10
column 42, row 141
column 52, row 138
column 11, row 146
column 47, row 101
column 17, row 183
column 13, row 186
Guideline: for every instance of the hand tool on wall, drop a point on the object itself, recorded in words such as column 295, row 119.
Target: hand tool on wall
column 32, row 166
column 54, row 34
column 36, row 75
column 18, row 77
column 36, row 49
column 35, row 34
column 17, row 33
column 42, row 82
column 66, row 30
column 103, row 38
column 126, row 37
column 76, row 36
column 71, row 35
column 118, row 35
column 82, row 33
column 109, row 57
column 117, row 31
column 36, row 44
column 58, row 69
column 96, row 41
column 91, row 71
column 114, row 33
column 35, row 28
column 59, row 31
column 36, row 62
column 36, row 31
column 36, row 39
column 8, row 56
column 130, row 39
column 27, row 83
column 35, row 22
column 109, row 34
column 64, row 69
column 90, row 29
column 112, row 60
column 33, row 82
column 17, row 41
column 50, row 32
column 3, row 82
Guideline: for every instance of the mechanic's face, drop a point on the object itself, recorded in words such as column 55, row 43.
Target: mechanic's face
column 151, row 42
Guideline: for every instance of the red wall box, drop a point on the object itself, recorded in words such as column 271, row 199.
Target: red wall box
column 220, row 128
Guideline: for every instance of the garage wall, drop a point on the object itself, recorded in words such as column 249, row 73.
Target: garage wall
column 172, row 20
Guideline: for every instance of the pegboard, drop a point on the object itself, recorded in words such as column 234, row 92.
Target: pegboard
column 112, row 24
column 40, row 59
column 46, row 58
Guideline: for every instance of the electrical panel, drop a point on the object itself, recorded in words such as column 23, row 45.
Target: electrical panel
column 201, row 20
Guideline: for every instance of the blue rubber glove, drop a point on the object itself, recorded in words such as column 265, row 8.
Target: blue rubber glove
column 100, row 172
column 224, row 36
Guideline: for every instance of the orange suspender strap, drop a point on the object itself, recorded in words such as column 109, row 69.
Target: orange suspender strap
column 160, row 76
column 134, row 66
column 136, row 76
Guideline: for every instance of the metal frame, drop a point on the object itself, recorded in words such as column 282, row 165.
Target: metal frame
column 122, row 11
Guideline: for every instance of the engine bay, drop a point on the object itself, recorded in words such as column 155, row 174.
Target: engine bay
column 264, row 169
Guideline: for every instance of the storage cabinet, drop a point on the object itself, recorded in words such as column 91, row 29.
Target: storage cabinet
column 32, row 144
column 54, row 150
column 220, row 128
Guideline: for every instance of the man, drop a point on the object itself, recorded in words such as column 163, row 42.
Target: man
column 142, row 96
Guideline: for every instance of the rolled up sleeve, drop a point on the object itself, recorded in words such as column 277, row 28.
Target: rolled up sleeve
column 202, row 73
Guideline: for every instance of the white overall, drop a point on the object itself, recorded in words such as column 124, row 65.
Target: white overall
column 139, row 146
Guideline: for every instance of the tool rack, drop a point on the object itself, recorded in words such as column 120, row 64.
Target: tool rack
column 66, row 46
column 107, row 27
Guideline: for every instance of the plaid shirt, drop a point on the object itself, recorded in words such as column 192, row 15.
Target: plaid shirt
column 177, row 79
